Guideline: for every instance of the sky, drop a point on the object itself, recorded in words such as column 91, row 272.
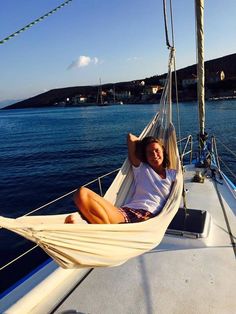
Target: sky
column 115, row 40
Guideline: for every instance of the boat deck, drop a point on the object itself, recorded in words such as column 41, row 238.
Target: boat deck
column 181, row 275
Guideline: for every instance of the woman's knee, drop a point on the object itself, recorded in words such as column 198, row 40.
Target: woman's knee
column 81, row 194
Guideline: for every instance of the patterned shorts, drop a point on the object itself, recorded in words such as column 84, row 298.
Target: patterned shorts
column 135, row 215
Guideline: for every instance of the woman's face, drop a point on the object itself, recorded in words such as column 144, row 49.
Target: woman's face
column 154, row 155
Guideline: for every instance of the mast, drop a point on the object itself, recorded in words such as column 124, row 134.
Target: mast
column 99, row 95
column 101, row 99
column 114, row 94
column 199, row 7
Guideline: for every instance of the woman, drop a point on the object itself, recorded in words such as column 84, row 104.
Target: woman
column 153, row 181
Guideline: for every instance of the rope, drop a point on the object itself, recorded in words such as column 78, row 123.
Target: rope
column 18, row 257
column 230, row 171
column 71, row 192
column 173, row 61
column 49, row 203
column 41, row 18
column 175, row 73
column 233, row 153
column 231, row 236
column 165, row 24
column 68, row 193
column 215, row 152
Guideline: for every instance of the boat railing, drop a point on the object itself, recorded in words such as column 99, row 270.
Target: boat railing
column 187, row 149
column 98, row 180
column 215, row 151
column 220, row 162
column 99, row 189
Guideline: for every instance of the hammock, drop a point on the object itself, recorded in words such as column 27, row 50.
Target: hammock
column 96, row 245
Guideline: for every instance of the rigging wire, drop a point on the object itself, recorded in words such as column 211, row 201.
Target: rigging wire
column 171, row 46
column 233, row 153
column 169, row 78
column 175, row 74
column 220, row 159
column 229, row 170
column 98, row 179
column 18, row 257
column 166, row 25
column 41, row 18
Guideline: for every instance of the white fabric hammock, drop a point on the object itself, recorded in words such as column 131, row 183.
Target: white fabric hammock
column 93, row 245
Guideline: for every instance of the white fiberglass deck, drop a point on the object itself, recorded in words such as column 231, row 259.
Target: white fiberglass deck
column 182, row 275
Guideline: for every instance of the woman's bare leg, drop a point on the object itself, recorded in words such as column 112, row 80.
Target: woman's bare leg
column 95, row 208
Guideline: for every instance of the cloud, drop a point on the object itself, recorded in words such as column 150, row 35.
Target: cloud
column 83, row 61
column 133, row 59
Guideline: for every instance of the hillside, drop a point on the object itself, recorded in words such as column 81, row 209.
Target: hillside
column 226, row 63
column 63, row 95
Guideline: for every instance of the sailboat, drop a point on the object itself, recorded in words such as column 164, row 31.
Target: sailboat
column 100, row 99
column 191, row 271
column 115, row 102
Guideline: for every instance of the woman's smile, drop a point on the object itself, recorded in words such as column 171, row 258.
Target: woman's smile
column 154, row 154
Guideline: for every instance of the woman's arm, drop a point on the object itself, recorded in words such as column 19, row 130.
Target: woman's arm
column 132, row 141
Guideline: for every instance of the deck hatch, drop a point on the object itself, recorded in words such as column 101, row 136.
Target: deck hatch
column 194, row 224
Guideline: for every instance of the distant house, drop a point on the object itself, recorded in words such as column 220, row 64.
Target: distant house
column 189, row 81
column 153, row 89
column 211, row 77
column 215, row 77
column 79, row 99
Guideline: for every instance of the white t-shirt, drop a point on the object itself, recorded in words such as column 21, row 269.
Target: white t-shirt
column 151, row 191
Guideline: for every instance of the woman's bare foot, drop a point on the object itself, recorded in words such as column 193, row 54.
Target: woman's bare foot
column 70, row 219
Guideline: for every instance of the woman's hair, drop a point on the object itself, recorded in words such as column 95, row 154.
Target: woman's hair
column 142, row 146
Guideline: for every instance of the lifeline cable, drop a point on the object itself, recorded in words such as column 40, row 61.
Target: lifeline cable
column 226, row 147
column 229, row 170
column 231, row 236
column 41, row 18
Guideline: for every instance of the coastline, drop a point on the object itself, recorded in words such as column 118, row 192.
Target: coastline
column 220, row 85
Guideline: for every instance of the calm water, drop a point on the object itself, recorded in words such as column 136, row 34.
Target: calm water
column 48, row 152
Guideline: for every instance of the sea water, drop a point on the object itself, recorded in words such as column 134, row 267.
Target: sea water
column 48, row 152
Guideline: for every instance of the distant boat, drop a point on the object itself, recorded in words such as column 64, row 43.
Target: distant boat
column 100, row 99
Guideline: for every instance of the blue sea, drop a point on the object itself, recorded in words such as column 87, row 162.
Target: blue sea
column 48, row 152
